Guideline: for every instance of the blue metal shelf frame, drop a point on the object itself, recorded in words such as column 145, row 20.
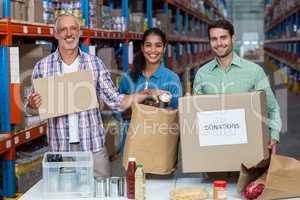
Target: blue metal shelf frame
column 125, row 45
column 5, row 123
column 149, row 13
column 166, row 12
column 8, row 166
column 177, row 21
column 6, row 8
column 85, row 12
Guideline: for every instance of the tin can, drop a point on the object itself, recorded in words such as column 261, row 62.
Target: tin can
column 164, row 100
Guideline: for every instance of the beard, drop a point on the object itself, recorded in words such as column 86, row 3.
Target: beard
column 226, row 53
column 69, row 46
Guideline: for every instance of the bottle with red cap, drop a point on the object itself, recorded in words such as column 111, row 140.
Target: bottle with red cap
column 130, row 178
column 220, row 190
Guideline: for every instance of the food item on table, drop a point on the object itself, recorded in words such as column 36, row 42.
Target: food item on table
column 140, row 183
column 189, row 193
column 220, row 190
column 254, row 189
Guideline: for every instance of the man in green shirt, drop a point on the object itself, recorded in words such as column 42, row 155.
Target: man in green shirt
column 229, row 73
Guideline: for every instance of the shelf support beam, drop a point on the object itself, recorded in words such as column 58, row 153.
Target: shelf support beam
column 6, row 8
column 85, row 12
column 149, row 14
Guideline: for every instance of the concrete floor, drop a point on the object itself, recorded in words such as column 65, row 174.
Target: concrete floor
column 290, row 137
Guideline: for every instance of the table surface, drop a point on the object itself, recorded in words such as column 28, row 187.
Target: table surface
column 156, row 189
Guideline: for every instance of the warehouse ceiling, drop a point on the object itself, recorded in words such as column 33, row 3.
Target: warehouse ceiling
column 245, row 9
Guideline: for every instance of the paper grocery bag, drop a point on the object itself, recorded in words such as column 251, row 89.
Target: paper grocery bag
column 283, row 177
column 152, row 139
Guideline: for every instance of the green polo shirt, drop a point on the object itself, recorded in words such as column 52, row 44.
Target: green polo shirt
column 241, row 76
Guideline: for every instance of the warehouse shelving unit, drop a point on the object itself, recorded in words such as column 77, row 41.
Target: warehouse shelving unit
column 195, row 49
column 282, row 44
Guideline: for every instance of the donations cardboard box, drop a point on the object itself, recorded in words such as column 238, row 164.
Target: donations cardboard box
column 66, row 94
column 219, row 132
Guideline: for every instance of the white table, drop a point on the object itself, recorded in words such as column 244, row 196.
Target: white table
column 156, row 189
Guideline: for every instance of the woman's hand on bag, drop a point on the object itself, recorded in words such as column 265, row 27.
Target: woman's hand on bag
column 273, row 146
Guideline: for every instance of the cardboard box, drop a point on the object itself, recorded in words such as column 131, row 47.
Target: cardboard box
column 136, row 22
column 107, row 55
column 66, row 94
column 219, row 132
column 35, row 11
column 18, row 10
column 30, row 54
column 1, row 8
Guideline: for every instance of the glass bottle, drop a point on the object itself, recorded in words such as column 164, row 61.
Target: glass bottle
column 130, row 178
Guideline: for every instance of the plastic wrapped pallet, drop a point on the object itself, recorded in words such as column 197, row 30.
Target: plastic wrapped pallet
column 28, row 168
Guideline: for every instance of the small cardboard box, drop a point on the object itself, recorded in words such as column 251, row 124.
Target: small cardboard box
column 35, row 11
column 18, row 10
column 219, row 132
column 107, row 55
column 66, row 94
column 30, row 54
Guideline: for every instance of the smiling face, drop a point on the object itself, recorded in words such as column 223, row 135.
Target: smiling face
column 67, row 33
column 153, row 49
column 221, row 42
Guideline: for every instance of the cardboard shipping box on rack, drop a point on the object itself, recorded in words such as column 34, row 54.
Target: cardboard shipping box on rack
column 66, row 94
column 219, row 132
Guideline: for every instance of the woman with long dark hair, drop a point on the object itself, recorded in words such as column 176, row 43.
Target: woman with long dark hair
column 149, row 71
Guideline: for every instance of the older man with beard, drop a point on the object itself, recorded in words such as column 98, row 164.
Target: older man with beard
column 82, row 131
column 228, row 73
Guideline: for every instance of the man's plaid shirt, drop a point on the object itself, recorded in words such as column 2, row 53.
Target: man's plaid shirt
column 91, row 131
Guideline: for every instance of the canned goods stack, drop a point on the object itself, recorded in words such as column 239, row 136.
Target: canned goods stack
column 74, row 7
column 48, row 14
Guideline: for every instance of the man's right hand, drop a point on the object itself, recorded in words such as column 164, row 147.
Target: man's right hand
column 34, row 101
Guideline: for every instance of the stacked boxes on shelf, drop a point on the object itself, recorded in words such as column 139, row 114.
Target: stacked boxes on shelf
column 276, row 10
column 136, row 22
column 35, row 11
column 30, row 54
column 49, row 10
column 282, row 46
column 95, row 13
column 167, row 24
column 45, row 11
column 112, row 19
column 71, row 6
column 18, row 9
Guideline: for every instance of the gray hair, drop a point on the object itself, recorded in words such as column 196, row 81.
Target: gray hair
column 64, row 15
